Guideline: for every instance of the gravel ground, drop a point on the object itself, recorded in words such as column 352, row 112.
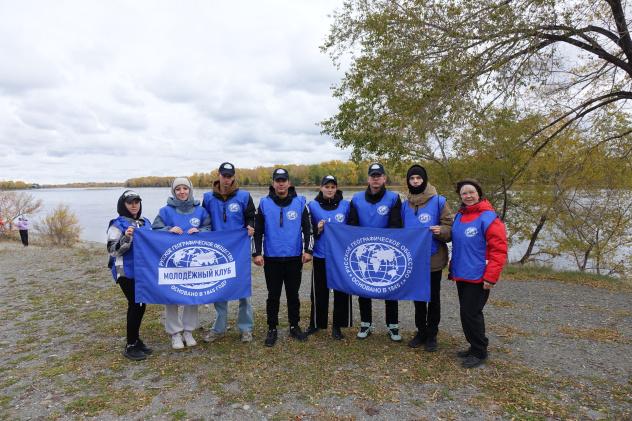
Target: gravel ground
column 560, row 330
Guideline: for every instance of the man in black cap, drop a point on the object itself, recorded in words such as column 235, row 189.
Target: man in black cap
column 379, row 208
column 282, row 217
column 230, row 209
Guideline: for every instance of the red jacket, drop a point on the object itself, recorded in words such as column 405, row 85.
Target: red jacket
column 496, row 237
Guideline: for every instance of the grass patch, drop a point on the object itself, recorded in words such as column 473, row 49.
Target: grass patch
column 516, row 272
column 507, row 332
column 598, row 334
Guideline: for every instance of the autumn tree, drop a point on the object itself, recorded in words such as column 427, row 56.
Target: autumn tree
column 422, row 70
column 14, row 204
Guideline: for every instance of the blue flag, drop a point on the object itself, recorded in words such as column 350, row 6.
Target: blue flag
column 201, row 268
column 385, row 263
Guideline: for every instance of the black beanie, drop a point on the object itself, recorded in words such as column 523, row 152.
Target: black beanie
column 122, row 209
column 417, row 170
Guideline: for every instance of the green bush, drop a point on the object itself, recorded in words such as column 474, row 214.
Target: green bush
column 60, row 228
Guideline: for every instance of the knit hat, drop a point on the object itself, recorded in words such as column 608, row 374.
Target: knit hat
column 420, row 171
column 472, row 182
column 178, row 181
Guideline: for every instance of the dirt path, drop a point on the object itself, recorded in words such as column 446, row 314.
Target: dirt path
column 568, row 346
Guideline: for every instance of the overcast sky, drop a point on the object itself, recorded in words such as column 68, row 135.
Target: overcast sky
column 110, row 90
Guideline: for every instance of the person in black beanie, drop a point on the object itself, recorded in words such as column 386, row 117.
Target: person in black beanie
column 119, row 243
column 425, row 208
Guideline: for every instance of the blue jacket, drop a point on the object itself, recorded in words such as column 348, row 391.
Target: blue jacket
column 427, row 216
column 336, row 216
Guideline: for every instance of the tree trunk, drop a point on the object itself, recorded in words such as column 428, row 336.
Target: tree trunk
column 534, row 237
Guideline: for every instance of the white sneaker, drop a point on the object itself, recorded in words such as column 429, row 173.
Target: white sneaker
column 176, row 341
column 188, row 338
column 246, row 336
column 212, row 336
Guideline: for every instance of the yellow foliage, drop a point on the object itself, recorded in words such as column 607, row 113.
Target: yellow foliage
column 60, row 227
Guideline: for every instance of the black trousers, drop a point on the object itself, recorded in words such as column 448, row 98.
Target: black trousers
column 320, row 299
column 279, row 273
column 135, row 311
column 472, row 299
column 24, row 236
column 428, row 314
column 366, row 311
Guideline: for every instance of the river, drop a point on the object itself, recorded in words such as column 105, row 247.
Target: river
column 95, row 207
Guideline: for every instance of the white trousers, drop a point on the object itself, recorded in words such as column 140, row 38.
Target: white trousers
column 176, row 322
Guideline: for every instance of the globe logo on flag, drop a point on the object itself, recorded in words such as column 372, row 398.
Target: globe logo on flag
column 378, row 264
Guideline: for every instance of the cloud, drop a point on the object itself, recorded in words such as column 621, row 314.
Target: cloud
column 25, row 68
column 188, row 85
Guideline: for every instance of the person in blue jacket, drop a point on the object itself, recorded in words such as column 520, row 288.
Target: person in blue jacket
column 282, row 218
column 120, row 234
column 424, row 208
column 379, row 208
column 328, row 207
column 183, row 214
column 231, row 209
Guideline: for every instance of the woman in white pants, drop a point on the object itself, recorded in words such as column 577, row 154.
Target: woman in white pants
column 182, row 215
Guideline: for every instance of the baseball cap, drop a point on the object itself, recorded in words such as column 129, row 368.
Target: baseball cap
column 327, row 179
column 131, row 195
column 280, row 173
column 376, row 169
column 227, row 168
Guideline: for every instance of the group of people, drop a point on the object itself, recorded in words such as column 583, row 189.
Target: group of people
column 287, row 233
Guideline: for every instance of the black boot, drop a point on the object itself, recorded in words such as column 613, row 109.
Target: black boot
column 336, row 333
column 419, row 339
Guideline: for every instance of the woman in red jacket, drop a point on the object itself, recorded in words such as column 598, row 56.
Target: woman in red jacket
column 479, row 252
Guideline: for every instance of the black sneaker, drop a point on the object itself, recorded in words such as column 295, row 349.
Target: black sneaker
column 134, row 353
column 464, row 354
column 311, row 330
column 472, row 361
column 418, row 340
column 271, row 338
column 297, row 334
column 431, row 344
column 393, row 333
column 140, row 344
column 336, row 333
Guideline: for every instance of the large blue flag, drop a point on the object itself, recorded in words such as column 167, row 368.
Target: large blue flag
column 385, row 263
column 201, row 268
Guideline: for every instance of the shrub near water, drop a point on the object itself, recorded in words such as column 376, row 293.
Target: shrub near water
column 61, row 227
